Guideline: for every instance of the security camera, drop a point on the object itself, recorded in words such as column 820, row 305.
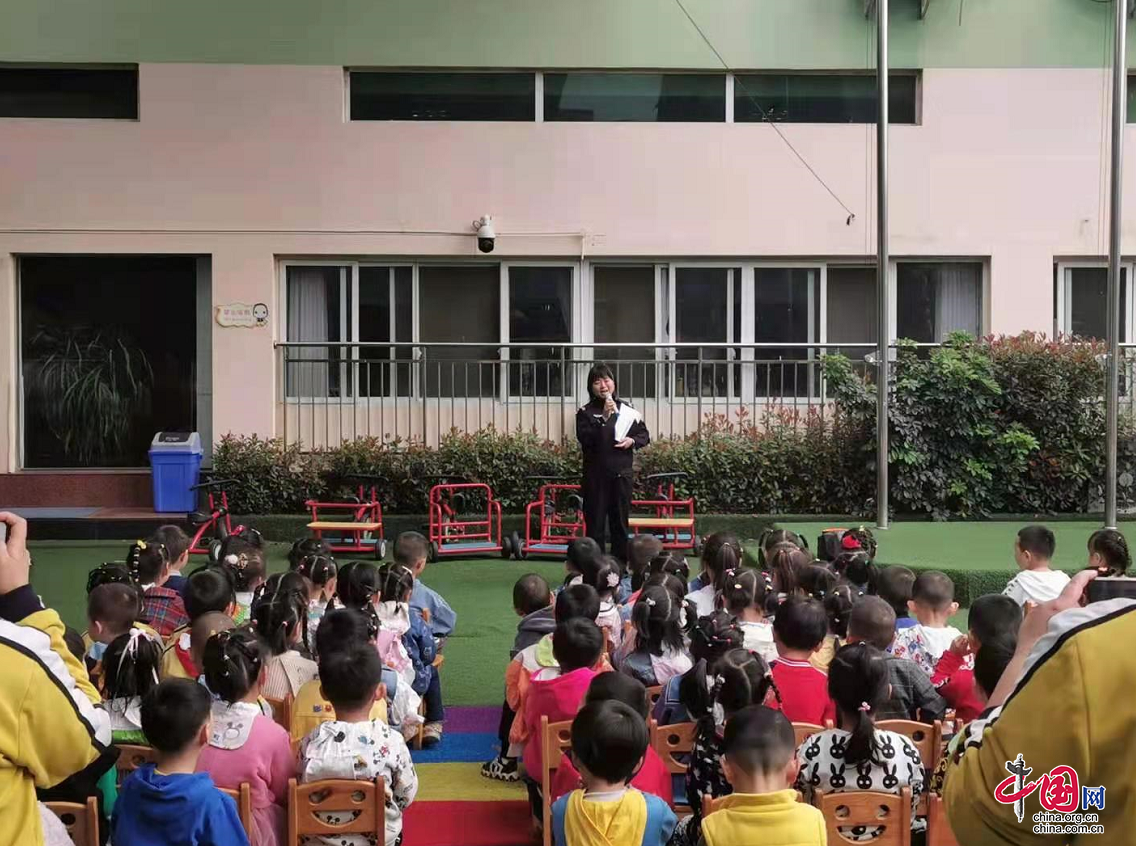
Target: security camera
column 486, row 235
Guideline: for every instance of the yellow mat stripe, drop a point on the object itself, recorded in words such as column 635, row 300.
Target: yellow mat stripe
column 463, row 782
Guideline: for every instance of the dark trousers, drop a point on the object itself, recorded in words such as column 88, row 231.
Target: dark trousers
column 607, row 502
column 503, row 727
column 435, row 713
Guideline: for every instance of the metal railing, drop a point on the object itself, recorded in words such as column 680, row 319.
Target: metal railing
column 329, row 393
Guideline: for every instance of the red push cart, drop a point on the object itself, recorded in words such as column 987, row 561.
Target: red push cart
column 669, row 518
column 454, row 533
column 558, row 515
column 356, row 524
column 211, row 525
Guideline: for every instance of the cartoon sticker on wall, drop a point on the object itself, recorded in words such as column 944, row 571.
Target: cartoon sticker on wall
column 242, row 315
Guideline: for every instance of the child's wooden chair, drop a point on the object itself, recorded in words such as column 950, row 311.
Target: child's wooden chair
column 354, row 807
column 281, row 711
column 939, row 831
column 81, row 821
column 803, row 731
column 131, row 758
column 669, row 742
column 243, row 798
column 888, row 811
column 554, row 739
column 653, row 696
column 927, row 739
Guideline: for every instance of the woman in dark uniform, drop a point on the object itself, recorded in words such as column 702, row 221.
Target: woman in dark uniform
column 609, row 431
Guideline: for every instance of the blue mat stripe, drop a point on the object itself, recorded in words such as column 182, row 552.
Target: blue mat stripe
column 460, row 749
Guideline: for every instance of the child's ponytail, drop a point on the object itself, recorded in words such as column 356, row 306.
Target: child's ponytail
column 838, row 609
column 279, row 615
column 670, row 562
column 785, row 563
column 357, row 586
column 232, row 662
column 744, row 589
column 605, row 578
column 858, row 683
column 244, row 562
column 317, row 568
column 722, row 552
column 713, row 636
column 656, row 619
column 1113, row 548
column 396, row 583
column 146, row 561
column 130, row 665
column 714, row 692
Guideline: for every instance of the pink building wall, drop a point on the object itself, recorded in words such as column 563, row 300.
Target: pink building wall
column 252, row 163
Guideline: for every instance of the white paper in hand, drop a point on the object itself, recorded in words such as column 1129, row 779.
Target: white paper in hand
column 625, row 418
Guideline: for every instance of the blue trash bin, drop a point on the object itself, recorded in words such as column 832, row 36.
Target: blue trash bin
column 175, row 465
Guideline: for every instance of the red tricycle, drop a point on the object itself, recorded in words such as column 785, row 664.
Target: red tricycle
column 211, row 526
column 360, row 524
column 561, row 519
column 671, row 519
column 450, row 534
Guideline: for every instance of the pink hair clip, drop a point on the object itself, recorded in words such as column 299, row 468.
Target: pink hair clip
column 865, row 707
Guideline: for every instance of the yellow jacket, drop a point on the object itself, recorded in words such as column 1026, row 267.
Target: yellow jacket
column 172, row 666
column 310, row 709
column 1073, row 706
column 50, row 727
column 764, row 819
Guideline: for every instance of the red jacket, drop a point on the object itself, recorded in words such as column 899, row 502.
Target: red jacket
column 955, row 683
column 559, row 699
column 653, row 778
column 804, row 692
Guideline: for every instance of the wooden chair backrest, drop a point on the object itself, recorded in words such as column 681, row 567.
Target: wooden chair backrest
column 554, row 739
column 669, row 741
column 803, row 731
column 243, row 798
column 131, row 757
column 939, row 831
column 890, row 811
column 360, row 804
column 653, row 695
column 81, row 821
column 923, row 735
column 281, row 710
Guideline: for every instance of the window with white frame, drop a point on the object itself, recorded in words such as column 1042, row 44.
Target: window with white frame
column 936, row 298
column 540, row 310
column 624, row 311
column 706, row 311
column 1082, row 300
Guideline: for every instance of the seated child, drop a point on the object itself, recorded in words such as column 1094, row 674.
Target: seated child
column 577, row 645
column 609, row 740
column 1033, row 553
column 1108, row 551
column 932, row 604
column 913, row 697
column 113, row 610
column 345, row 629
column 176, row 543
column 785, row 564
column 722, row 552
column 396, row 587
column 356, row 746
column 773, row 541
column 358, row 586
column 641, row 550
column 203, row 628
column 759, row 761
column 162, row 607
column 745, row 593
column 605, row 579
column 653, row 776
column 245, row 745
column 169, row 801
column 837, row 606
column 130, row 671
column 245, row 562
column 798, row 631
column 856, row 755
column 281, row 620
column 894, row 587
column 857, row 569
column 304, row 547
column 710, row 638
column 410, row 550
column 655, row 651
column 532, row 602
column 992, row 617
column 582, row 556
column 208, row 590
column 320, row 573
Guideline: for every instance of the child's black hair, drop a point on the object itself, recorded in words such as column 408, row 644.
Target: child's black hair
column 130, row 665
column 318, row 569
column 873, row 620
column 75, row 644
column 785, row 562
column 112, row 573
column 759, row 740
column 772, row 540
column 115, row 605
column 994, row 616
column 858, row 684
column 303, row 547
column 800, row 623
column 933, row 589
column 621, row 688
column 859, row 570
column 357, row 584
column 279, row 615
column 605, row 578
column 577, row 601
column 410, row 548
column 816, row 581
column 343, row 627
column 721, row 553
column 208, row 589
column 1113, row 548
column 746, row 588
column 530, row 594
column 838, row 607
column 146, row 561
column 396, row 583
column 175, row 540
column 736, row 680
column 350, row 676
column 670, row 562
column 232, row 663
column 640, row 550
column 894, row 586
column 577, row 643
column 173, row 713
column 278, row 583
column 609, row 740
column 657, row 618
column 676, row 586
column 583, row 555
column 713, row 636
column 1037, row 540
column 245, row 561
column 991, row 659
